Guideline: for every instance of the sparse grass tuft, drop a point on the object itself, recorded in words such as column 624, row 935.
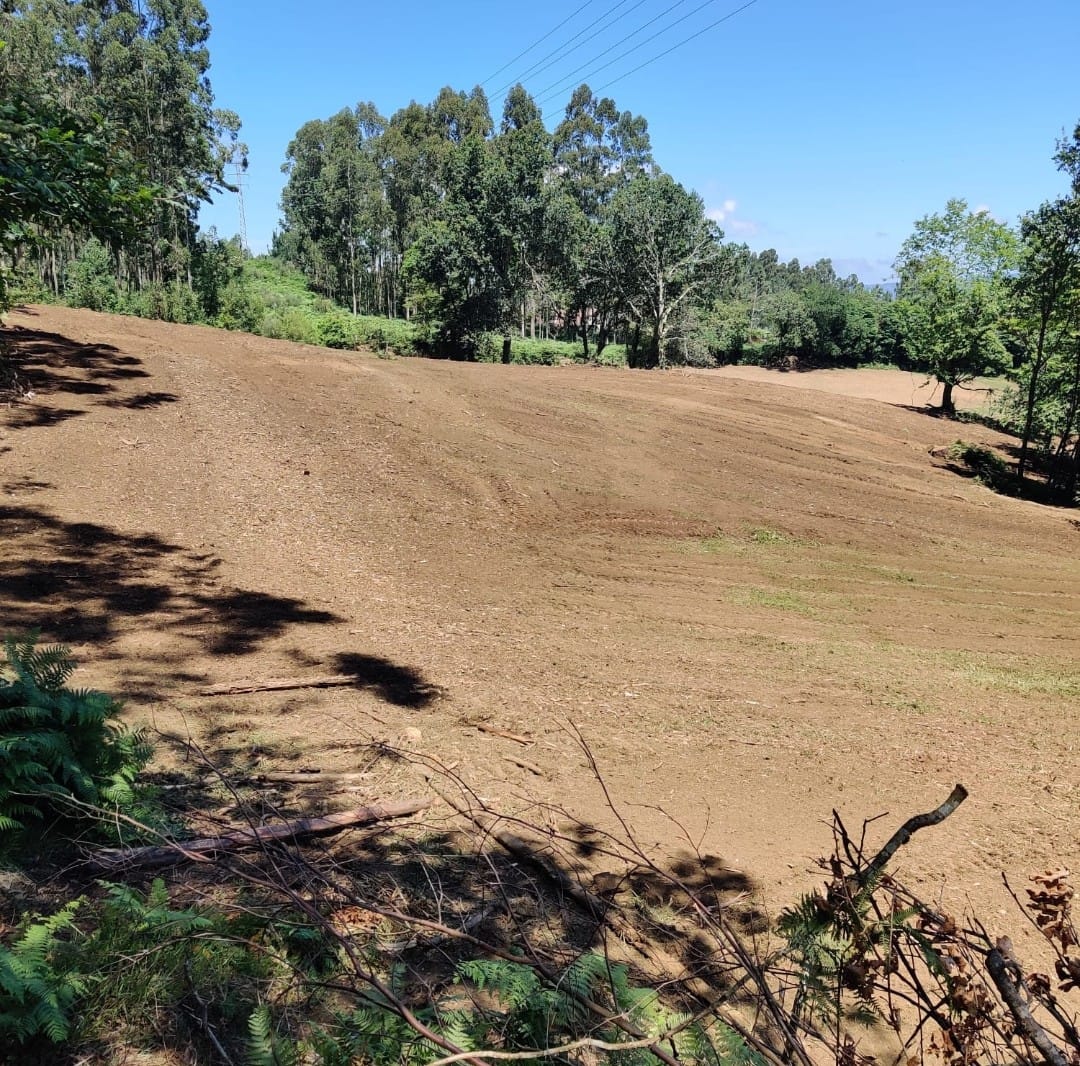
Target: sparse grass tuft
column 778, row 599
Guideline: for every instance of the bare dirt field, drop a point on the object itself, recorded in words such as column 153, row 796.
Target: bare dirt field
column 756, row 603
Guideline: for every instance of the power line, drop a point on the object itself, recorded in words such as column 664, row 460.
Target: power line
column 561, row 51
column 675, row 47
column 611, row 48
column 541, row 40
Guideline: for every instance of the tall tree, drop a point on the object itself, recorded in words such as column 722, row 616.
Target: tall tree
column 1046, row 299
column 953, row 271
column 666, row 253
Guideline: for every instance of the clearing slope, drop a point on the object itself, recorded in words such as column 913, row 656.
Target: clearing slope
column 756, row 603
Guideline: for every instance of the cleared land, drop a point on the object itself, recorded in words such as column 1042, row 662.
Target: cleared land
column 755, row 602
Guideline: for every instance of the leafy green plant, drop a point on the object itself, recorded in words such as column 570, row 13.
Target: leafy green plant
column 495, row 1003
column 59, row 745
column 37, row 990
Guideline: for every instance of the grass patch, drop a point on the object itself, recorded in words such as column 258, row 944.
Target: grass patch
column 749, row 540
column 776, row 599
column 1023, row 676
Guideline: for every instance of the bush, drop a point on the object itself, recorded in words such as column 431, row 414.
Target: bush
column 336, row 329
column 240, row 308
column 59, row 748
column 174, row 302
column 89, row 280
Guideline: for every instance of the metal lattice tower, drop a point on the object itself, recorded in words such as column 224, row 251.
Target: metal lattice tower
column 240, row 203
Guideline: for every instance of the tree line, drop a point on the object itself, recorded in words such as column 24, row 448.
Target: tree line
column 130, row 79
column 468, row 227
column 475, row 232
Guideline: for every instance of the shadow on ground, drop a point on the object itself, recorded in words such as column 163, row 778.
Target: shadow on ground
column 84, row 583
column 49, row 363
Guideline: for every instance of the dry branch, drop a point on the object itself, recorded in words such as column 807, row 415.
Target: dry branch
column 1007, row 977
column 518, row 738
column 873, row 872
column 205, row 849
column 304, row 777
column 278, row 684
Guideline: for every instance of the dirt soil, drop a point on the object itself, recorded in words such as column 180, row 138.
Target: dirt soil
column 756, row 603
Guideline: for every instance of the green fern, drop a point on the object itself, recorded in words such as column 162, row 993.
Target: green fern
column 37, row 990
column 59, row 745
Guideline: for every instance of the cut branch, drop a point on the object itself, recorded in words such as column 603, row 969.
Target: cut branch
column 205, row 849
column 873, row 872
column 278, row 684
column 999, row 964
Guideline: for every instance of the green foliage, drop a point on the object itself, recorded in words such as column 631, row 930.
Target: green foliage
column 953, row 272
column 505, row 1005
column 837, row 942
column 59, row 745
column 90, row 280
column 989, row 467
column 58, row 169
column 38, row 991
column 145, row 960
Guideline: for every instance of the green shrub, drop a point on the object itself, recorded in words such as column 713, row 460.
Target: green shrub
column 174, row 302
column 387, row 335
column 336, row 329
column 58, row 745
column 89, row 281
column 989, row 467
column 240, row 308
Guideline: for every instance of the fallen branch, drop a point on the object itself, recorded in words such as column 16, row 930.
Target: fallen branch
column 279, row 684
column 518, row 738
column 205, row 849
column 524, row 765
column 303, row 777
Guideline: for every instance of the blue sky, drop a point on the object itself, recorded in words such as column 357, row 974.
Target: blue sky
column 820, row 129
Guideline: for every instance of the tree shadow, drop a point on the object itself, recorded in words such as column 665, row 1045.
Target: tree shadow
column 143, row 401
column 403, row 686
column 82, row 583
column 49, row 364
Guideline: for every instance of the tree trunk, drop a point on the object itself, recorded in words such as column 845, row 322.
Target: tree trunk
column 1033, row 386
column 506, row 348
column 947, row 406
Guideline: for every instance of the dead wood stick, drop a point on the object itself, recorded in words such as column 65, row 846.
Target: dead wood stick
column 525, row 765
column 870, row 875
column 279, row 684
column 206, row 848
column 303, row 777
column 1000, row 963
column 517, row 737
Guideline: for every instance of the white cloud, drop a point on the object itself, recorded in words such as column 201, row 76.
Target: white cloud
column 982, row 209
column 743, row 226
column 724, row 215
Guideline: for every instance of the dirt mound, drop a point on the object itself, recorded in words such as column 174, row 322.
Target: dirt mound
column 756, row 603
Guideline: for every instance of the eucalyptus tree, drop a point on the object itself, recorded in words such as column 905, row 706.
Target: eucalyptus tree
column 142, row 67
column 953, row 272
column 1046, row 309
column 597, row 150
column 487, row 243
column 335, row 216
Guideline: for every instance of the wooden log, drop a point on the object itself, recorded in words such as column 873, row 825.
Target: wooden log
column 205, row 849
column 304, row 777
column 279, row 684
column 495, row 732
